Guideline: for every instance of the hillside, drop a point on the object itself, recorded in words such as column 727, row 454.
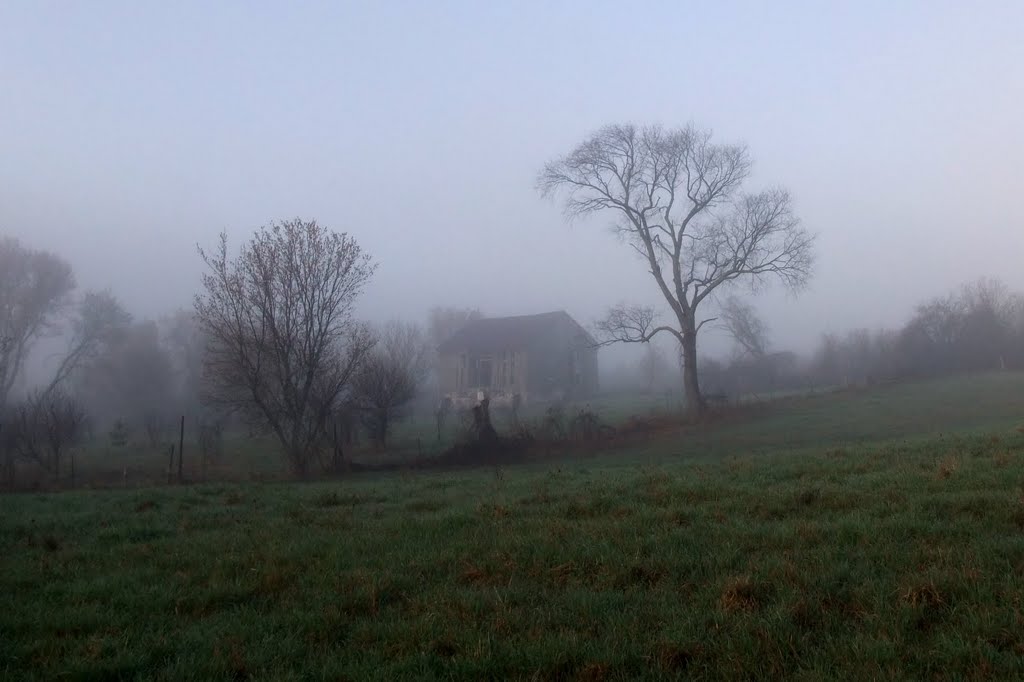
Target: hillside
column 840, row 536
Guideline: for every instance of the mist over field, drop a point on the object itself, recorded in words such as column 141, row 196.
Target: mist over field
column 494, row 340
column 131, row 133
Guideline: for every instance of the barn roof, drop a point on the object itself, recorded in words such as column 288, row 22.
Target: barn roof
column 507, row 333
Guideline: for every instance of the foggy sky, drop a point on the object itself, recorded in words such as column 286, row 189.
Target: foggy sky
column 131, row 131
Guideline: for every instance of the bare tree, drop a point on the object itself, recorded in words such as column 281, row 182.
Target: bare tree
column 132, row 376
column 100, row 320
column 390, row 376
column 211, row 439
column 338, row 436
column 974, row 329
column 45, row 426
column 64, row 420
column 677, row 200
column 988, row 324
column 282, row 341
column 653, row 366
column 184, row 343
column 157, row 427
column 35, row 288
column 740, row 320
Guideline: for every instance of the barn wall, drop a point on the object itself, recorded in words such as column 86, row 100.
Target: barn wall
column 555, row 361
column 559, row 365
column 447, row 377
column 457, row 372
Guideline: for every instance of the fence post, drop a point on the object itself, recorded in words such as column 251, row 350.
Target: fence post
column 181, row 446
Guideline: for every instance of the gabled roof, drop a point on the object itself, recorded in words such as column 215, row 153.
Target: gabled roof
column 508, row 333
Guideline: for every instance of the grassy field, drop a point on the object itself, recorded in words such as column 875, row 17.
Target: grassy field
column 978, row 403
column 869, row 535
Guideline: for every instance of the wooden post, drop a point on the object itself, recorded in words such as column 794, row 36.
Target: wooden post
column 339, row 454
column 181, row 447
column 7, row 475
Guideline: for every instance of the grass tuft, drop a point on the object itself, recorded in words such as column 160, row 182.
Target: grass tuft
column 742, row 593
column 327, row 499
column 947, row 466
column 673, row 658
column 926, row 595
column 145, row 505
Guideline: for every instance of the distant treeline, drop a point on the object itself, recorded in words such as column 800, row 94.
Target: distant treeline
column 978, row 328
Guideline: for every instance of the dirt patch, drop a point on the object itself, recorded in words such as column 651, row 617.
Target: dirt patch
column 145, row 505
column 492, row 511
column 922, row 595
column 642, row 576
column 674, row 658
column 742, row 593
column 593, row 672
column 445, row 648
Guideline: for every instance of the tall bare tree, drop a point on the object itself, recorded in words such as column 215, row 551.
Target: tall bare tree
column 35, row 289
column 739, row 319
column 100, row 320
column 678, row 202
column 131, row 377
column 184, row 343
column 390, row 376
column 653, row 366
column 282, row 341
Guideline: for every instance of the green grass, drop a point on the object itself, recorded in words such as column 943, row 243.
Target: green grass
column 887, row 543
column 898, row 412
column 959, row 404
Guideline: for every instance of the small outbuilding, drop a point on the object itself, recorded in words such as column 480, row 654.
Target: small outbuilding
column 535, row 357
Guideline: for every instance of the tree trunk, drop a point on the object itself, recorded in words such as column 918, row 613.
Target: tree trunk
column 382, row 429
column 691, row 386
column 297, row 456
column 181, row 449
column 338, row 459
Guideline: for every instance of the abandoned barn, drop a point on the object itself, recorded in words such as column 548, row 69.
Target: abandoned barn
column 537, row 357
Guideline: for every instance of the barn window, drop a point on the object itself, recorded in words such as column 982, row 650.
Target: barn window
column 484, row 372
